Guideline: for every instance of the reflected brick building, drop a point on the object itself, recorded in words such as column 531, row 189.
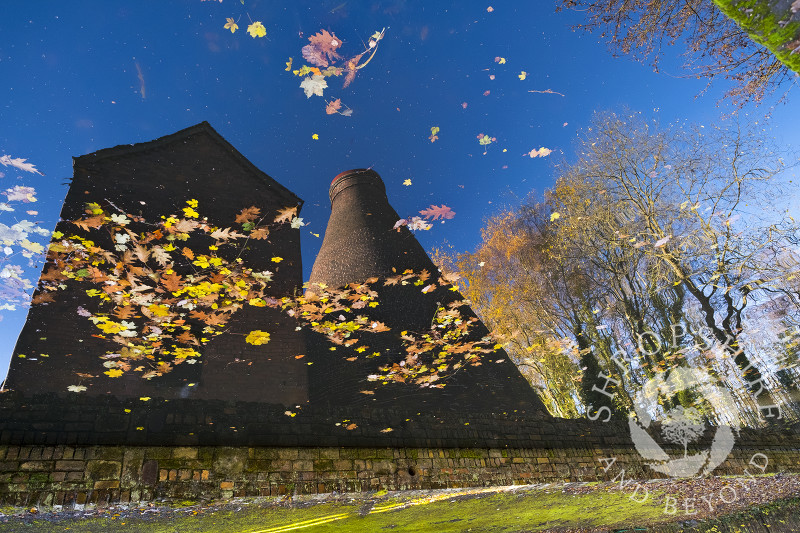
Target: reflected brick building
column 156, row 178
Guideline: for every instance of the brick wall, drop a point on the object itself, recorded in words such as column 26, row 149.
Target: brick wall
column 99, row 475
column 80, row 450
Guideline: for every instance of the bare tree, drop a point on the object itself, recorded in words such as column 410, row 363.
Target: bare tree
column 715, row 46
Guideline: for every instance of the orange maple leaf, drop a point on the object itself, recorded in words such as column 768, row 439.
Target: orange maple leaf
column 334, row 106
column 188, row 253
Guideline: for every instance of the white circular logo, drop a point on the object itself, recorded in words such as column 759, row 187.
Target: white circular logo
column 681, row 425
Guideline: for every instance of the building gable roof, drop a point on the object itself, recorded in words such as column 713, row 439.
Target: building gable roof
column 203, row 128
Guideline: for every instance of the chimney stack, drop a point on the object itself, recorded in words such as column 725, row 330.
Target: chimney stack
column 361, row 243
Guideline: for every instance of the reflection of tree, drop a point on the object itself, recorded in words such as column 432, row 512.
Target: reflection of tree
column 715, row 47
column 683, row 426
column 646, row 236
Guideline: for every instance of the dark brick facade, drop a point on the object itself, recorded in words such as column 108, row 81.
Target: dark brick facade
column 154, row 179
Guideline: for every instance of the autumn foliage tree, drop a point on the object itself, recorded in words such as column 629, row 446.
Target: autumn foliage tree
column 643, row 257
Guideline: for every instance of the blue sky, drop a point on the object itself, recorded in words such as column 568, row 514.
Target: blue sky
column 72, row 86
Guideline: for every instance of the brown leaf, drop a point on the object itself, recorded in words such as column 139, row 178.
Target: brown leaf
column 90, row 222
column 124, row 312
column 188, row 253
column 286, row 214
column 260, row 233
column 141, row 252
column 53, row 274
column 226, row 234
column 350, row 427
column 42, row 297
column 334, row 106
column 187, row 338
column 172, row 282
column 248, row 214
column 326, row 43
column 185, row 225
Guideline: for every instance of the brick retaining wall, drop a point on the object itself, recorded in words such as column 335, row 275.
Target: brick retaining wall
column 80, row 450
column 45, row 476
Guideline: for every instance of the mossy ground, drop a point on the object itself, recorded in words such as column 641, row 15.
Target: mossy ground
column 522, row 510
column 532, row 508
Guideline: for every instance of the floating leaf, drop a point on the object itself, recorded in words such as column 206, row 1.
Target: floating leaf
column 436, row 213
column 541, row 152
column 19, row 163
column 231, row 25
column 333, row 106
column 314, row 85
column 256, row 29
column 257, row 337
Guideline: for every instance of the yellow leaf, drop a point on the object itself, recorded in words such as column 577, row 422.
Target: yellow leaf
column 257, row 337
column 113, row 373
column 555, row 216
column 407, row 183
column 315, row 137
column 231, row 25
column 256, row 29
column 277, row 259
column 523, row 75
column 289, row 65
column 145, row 398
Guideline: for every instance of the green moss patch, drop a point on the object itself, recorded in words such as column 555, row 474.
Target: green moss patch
column 757, row 18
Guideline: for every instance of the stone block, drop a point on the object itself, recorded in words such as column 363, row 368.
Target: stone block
column 287, row 453
column 100, row 470
column 184, row 453
column 36, row 465
column 107, row 484
column 302, row 466
column 70, row 465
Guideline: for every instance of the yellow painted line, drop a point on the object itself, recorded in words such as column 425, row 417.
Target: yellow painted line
column 304, row 524
column 378, row 509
